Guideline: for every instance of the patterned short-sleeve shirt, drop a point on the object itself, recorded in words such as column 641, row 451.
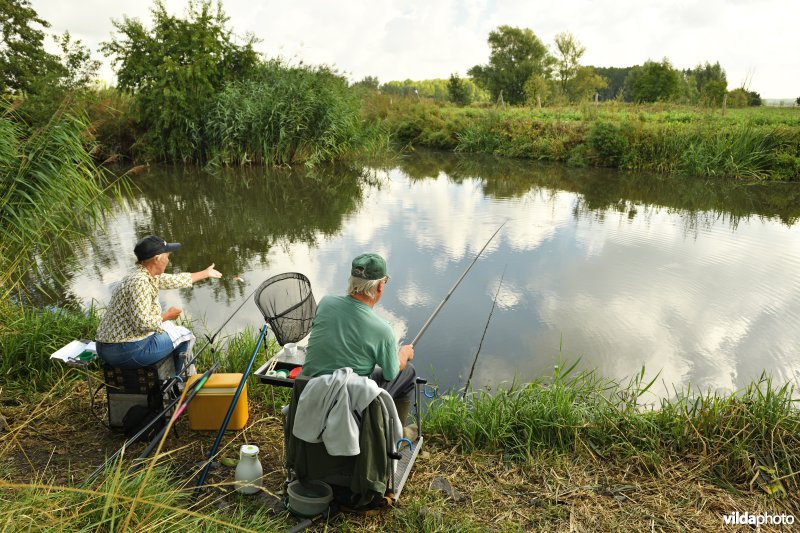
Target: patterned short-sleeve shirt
column 134, row 312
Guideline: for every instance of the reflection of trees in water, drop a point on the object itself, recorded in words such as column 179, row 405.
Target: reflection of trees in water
column 700, row 202
column 231, row 218
column 235, row 216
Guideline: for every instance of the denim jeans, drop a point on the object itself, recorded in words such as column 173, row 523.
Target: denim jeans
column 141, row 353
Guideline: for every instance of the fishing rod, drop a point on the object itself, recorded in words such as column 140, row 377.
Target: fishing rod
column 453, row 288
column 147, row 426
column 189, row 397
column 209, row 342
column 485, row 329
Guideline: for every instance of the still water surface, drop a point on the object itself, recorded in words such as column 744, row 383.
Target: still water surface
column 695, row 280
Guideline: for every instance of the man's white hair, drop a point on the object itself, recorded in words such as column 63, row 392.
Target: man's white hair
column 367, row 287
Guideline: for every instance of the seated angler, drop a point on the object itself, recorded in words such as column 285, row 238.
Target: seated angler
column 347, row 333
column 131, row 333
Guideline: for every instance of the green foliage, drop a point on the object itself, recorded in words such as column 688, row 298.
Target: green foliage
column 653, row 82
column 50, row 191
column 176, row 69
column 615, row 77
column 436, row 89
column 611, row 418
column 29, row 336
column 368, row 82
column 283, row 115
column 568, row 59
column 752, row 145
column 516, row 55
column 457, row 90
column 607, row 142
column 741, row 97
column 537, row 90
column 24, row 63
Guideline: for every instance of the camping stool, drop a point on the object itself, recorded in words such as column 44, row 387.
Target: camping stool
column 126, row 388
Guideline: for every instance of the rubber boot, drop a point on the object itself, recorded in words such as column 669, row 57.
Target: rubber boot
column 403, row 405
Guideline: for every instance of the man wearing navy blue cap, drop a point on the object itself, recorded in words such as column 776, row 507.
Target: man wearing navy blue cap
column 347, row 333
column 130, row 334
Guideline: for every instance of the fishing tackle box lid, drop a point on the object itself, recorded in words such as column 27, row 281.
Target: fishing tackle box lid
column 208, row 408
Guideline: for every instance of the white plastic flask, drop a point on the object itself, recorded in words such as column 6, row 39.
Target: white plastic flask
column 249, row 470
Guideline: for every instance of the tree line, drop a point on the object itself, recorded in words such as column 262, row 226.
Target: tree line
column 522, row 70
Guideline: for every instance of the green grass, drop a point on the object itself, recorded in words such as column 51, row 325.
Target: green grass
column 731, row 435
column 752, row 144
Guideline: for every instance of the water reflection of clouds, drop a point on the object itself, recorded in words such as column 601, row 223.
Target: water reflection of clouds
column 708, row 307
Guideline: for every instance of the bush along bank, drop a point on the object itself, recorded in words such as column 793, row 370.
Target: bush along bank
column 744, row 144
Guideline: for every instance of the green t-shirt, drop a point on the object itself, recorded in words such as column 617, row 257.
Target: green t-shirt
column 346, row 333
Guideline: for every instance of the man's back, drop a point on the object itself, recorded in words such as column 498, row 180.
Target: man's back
column 346, row 333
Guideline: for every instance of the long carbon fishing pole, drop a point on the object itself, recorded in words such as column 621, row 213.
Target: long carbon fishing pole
column 453, row 288
column 485, row 329
column 209, row 342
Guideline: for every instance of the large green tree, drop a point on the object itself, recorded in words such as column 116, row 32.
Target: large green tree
column 516, row 55
column 23, row 59
column 568, row 55
column 653, row 82
column 175, row 69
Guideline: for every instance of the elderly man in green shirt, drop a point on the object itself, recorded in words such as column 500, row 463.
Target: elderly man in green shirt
column 347, row 333
column 130, row 334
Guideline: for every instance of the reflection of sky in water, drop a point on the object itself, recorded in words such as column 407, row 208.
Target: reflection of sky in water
column 701, row 302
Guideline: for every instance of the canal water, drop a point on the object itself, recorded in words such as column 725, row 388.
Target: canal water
column 695, row 281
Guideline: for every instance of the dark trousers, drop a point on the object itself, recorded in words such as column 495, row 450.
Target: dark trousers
column 399, row 388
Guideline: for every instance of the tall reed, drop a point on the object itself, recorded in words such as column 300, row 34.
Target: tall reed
column 285, row 115
column 51, row 192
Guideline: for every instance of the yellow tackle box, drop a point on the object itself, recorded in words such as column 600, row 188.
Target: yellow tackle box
column 208, row 408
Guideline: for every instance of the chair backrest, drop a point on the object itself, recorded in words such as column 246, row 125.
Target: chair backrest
column 364, row 475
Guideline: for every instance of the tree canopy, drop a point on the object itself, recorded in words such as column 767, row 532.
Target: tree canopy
column 654, row 82
column 23, row 59
column 516, row 55
column 175, row 68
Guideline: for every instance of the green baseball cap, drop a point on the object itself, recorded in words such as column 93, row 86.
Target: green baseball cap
column 369, row 266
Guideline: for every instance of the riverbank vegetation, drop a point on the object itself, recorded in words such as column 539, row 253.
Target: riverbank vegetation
column 752, row 143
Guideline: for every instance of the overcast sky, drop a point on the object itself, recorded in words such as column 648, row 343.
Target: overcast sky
column 755, row 41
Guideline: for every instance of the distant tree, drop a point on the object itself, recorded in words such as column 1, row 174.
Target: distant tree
column 457, row 90
column 569, row 52
column 797, row 101
column 23, row 59
column 653, row 82
column 737, row 97
column 537, row 89
column 368, row 82
column 615, row 77
column 753, row 99
column 176, row 69
column 705, row 84
column 585, row 84
column 516, row 55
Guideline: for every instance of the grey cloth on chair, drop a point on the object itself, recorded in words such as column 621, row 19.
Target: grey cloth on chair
column 365, row 474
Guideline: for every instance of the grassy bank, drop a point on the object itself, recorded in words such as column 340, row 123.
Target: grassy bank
column 756, row 143
column 573, row 451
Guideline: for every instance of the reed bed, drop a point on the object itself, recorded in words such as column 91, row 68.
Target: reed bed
column 285, row 115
